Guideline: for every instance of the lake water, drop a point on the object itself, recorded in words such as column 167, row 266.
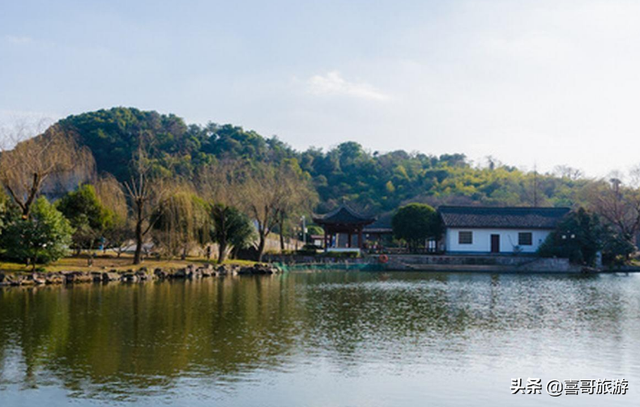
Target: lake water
column 323, row 339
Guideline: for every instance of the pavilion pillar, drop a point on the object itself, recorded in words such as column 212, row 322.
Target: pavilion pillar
column 360, row 242
column 349, row 241
column 326, row 246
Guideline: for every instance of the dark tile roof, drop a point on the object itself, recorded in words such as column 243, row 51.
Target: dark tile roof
column 343, row 215
column 381, row 225
column 504, row 218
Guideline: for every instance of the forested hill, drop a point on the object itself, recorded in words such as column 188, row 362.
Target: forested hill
column 373, row 181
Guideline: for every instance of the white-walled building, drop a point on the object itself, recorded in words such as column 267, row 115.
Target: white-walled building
column 507, row 230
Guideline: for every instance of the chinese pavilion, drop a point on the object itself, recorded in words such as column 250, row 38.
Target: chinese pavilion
column 343, row 220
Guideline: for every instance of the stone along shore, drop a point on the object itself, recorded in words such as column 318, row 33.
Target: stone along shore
column 190, row 272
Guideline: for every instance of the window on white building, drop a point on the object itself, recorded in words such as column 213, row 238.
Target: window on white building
column 525, row 239
column 465, row 237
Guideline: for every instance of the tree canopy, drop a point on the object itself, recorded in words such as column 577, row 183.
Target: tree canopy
column 414, row 223
column 379, row 182
column 42, row 238
column 87, row 215
column 230, row 229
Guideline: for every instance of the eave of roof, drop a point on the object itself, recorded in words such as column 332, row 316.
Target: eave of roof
column 501, row 217
column 343, row 215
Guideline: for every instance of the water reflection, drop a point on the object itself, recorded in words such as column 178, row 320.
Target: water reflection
column 218, row 337
column 146, row 335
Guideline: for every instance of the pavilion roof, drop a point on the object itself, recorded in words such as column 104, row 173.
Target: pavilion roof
column 343, row 215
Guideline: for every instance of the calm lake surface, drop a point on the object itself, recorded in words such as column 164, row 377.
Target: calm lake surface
column 324, row 339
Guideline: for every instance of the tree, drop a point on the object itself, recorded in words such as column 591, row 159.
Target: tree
column 182, row 219
column 615, row 249
column 42, row 238
column 115, row 135
column 269, row 194
column 565, row 171
column 378, row 181
column 218, row 184
column 231, row 229
column 87, row 216
column 414, row 223
column 119, row 231
column 145, row 192
column 301, row 198
column 33, row 162
column 578, row 237
column 618, row 205
column 5, row 211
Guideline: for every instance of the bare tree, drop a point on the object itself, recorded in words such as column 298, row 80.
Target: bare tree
column 264, row 198
column 634, row 177
column 618, row 204
column 34, row 161
column 300, row 197
column 492, row 162
column 565, row 171
column 145, row 192
column 270, row 193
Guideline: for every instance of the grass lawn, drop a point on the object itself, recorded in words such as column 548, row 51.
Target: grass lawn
column 111, row 262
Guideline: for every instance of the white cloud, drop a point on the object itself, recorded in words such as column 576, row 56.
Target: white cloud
column 333, row 84
column 18, row 40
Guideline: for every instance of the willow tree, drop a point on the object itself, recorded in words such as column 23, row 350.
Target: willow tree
column 35, row 161
column 112, row 197
column 218, row 184
column 181, row 221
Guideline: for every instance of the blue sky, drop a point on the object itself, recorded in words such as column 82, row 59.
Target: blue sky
column 529, row 82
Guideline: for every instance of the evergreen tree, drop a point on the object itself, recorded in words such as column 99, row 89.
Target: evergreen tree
column 578, row 237
column 86, row 215
column 231, row 229
column 42, row 238
column 414, row 223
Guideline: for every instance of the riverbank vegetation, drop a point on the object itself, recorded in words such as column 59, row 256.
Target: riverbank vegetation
column 100, row 261
column 125, row 175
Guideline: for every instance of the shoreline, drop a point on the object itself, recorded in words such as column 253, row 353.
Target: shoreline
column 190, row 272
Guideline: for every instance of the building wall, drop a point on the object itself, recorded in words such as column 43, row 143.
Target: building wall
column 482, row 240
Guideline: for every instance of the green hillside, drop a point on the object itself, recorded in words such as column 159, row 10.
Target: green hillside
column 374, row 181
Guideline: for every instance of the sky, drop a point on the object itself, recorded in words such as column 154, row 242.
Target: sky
column 532, row 83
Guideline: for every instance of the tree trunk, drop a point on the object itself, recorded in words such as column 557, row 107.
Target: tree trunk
column 222, row 250
column 261, row 244
column 35, row 186
column 222, row 235
column 282, row 235
column 137, row 258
